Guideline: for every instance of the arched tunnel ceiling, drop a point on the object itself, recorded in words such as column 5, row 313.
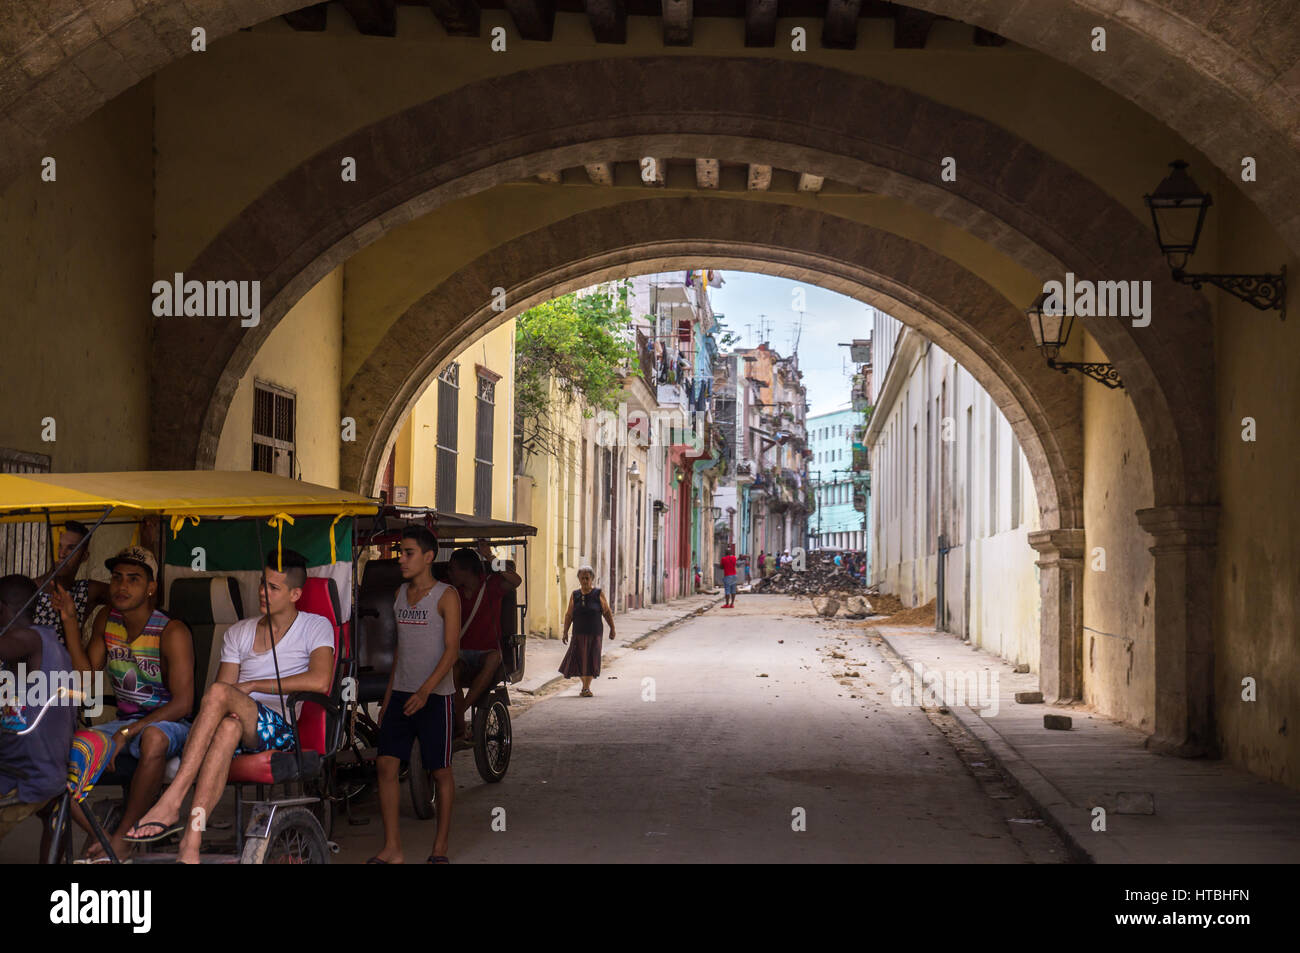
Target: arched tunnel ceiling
column 1224, row 76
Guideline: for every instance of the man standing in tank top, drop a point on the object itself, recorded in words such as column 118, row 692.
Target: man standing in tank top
column 418, row 701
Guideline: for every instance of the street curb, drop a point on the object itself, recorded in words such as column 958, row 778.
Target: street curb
column 1042, row 793
column 671, row 622
column 644, row 635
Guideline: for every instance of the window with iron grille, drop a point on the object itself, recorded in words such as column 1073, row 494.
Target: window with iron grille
column 24, row 547
column 484, row 411
column 273, row 429
column 448, row 416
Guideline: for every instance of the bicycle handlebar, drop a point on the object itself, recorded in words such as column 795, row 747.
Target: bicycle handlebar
column 63, row 692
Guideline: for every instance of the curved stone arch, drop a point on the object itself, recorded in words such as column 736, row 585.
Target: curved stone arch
column 1216, row 77
column 1031, row 207
column 948, row 304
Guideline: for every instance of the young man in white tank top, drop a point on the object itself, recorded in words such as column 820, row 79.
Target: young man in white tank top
column 418, row 701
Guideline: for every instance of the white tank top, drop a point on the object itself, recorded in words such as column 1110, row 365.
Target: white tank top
column 420, row 641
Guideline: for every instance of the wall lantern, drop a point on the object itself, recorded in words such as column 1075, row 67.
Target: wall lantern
column 634, row 471
column 1178, row 208
column 1051, row 330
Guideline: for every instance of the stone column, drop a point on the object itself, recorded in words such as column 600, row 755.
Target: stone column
column 1184, row 550
column 1060, row 582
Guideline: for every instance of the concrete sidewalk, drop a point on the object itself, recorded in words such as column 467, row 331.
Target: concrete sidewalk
column 542, row 657
column 1205, row 811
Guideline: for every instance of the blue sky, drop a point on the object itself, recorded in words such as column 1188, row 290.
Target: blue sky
column 828, row 319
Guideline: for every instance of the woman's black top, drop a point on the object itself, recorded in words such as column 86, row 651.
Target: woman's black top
column 587, row 613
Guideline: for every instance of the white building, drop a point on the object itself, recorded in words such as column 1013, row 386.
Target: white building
column 952, row 498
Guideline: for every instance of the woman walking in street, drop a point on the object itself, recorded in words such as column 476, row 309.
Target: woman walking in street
column 586, row 608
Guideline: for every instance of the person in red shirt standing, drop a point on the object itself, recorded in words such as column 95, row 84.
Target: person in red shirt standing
column 481, row 591
column 729, row 579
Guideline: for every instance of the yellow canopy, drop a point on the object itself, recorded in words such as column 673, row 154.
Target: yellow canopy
column 135, row 494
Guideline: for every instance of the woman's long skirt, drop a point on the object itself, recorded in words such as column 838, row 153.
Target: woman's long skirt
column 583, row 657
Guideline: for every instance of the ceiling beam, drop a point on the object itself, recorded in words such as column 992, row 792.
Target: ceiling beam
column 760, row 178
column 458, row 17
column 760, row 22
column 659, row 179
column 840, row 27
column 911, row 27
column 310, row 19
column 811, row 183
column 373, row 17
column 608, row 19
column 678, row 21
column 706, row 173
column 535, row 19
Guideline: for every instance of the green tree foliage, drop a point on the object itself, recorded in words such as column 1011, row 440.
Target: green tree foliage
column 579, row 342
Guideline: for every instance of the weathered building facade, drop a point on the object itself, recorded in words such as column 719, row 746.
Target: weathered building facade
column 953, row 501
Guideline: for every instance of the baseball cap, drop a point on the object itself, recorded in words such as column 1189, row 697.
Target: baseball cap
column 137, row 556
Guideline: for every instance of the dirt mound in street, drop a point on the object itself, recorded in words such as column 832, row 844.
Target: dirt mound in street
column 920, row 615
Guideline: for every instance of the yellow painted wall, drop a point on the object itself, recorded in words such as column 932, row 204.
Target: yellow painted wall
column 415, row 463
column 302, row 355
column 75, row 278
column 1257, row 615
column 557, row 498
column 1118, row 637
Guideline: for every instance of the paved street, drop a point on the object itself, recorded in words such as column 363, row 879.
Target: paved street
column 714, row 766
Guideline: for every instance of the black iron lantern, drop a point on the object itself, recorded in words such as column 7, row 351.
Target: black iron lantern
column 1050, row 327
column 1051, row 330
column 1178, row 208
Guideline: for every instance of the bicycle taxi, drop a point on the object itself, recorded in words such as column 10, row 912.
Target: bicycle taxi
column 214, row 529
column 377, row 631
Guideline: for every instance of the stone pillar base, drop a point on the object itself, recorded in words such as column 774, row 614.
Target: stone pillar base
column 1184, row 550
column 1060, row 562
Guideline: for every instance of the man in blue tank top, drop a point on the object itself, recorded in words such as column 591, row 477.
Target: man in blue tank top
column 33, row 766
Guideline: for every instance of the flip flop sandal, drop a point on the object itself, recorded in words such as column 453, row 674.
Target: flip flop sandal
column 167, row 830
column 99, row 859
column 376, row 860
column 437, row 859
column 585, row 693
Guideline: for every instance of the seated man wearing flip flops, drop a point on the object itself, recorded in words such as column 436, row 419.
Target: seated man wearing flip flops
column 149, row 658
column 244, row 711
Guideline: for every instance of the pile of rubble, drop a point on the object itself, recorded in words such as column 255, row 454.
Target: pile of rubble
column 830, row 587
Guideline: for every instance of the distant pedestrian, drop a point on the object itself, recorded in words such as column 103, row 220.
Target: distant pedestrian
column 745, row 561
column 587, row 606
column 839, row 561
column 762, row 563
column 729, row 578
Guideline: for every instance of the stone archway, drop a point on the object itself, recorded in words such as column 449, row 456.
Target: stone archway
column 1027, row 205
column 1219, row 78
column 951, row 306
